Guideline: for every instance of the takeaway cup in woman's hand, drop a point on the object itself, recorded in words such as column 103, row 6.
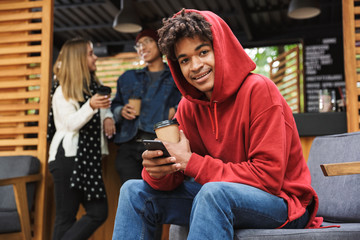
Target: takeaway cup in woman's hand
column 104, row 90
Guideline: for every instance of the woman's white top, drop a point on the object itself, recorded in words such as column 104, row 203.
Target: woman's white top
column 69, row 118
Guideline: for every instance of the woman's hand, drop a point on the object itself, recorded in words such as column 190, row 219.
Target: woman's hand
column 128, row 112
column 100, row 101
column 109, row 127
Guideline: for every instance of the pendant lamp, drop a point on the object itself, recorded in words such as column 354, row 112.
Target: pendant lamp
column 303, row 9
column 127, row 21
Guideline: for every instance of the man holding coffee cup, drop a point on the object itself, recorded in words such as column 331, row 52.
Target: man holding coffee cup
column 143, row 98
column 238, row 141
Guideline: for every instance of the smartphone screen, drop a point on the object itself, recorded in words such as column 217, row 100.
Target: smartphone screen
column 156, row 145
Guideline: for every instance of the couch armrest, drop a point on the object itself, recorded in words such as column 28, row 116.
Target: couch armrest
column 336, row 169
column 23, row 179
column 19, row 184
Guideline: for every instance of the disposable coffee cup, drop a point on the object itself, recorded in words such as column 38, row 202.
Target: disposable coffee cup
column 136, row 103
column 168, row 130
column 104, row 90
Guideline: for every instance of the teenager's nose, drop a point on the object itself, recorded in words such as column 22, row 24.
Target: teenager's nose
column 196, row 64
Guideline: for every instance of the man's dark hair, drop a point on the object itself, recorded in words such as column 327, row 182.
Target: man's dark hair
column 185, row 24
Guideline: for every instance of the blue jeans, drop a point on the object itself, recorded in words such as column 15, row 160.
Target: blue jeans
column 212, row 211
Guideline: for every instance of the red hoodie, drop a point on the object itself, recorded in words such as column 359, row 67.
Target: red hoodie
column 245, row 134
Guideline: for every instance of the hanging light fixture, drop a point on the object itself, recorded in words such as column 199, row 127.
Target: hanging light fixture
column 127, row 21
column 302, row 9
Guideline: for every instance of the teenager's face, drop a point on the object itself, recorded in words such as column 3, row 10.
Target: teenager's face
column 197, row 63
column 91, row 58
column 147, row 49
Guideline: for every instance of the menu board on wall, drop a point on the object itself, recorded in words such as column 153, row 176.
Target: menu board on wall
column 323, row 69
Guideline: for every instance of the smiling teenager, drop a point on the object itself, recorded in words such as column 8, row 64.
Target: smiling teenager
column 238, row 142
column 196, row 59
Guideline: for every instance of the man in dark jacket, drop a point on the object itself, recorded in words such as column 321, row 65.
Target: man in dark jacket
column 159, row 96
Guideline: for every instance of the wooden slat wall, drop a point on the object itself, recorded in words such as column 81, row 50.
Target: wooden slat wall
column 351, row 36
column 25, row 56
column 285, row 73
column 110, row 68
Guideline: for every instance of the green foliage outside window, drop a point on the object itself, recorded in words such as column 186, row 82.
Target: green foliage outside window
column 262, row 56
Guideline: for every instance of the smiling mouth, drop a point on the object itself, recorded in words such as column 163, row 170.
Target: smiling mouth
column 203, row 75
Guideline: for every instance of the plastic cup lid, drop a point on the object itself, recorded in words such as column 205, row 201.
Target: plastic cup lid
column 104, row 90
column 165, row 123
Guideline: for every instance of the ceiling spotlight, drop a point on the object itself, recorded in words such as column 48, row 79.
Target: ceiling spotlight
column 302, row 9
column 127, row 20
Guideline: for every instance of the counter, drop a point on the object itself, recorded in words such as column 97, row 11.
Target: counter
column 319, row 124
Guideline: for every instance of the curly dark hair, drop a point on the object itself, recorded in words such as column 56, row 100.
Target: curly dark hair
column 185, row 24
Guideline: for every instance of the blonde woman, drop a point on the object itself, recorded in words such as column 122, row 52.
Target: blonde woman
column 82, row 120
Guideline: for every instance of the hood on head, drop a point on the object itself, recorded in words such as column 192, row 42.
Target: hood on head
column 232, row 64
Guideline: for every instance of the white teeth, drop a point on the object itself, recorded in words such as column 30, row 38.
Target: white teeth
column 201, row 76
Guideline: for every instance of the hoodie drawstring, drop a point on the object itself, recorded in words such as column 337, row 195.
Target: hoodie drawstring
column 216, row 122
column 211, row 119
column 215, row 128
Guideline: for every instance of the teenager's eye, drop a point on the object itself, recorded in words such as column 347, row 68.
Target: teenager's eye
column 204, row 52
column 184, row 60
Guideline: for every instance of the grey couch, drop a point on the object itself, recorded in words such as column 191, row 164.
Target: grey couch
column 17, row 174
column 339, row 196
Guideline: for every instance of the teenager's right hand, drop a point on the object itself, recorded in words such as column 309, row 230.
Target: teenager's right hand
column 128, row 112
column 171, row 113
column 158, row 167
column 100, row 101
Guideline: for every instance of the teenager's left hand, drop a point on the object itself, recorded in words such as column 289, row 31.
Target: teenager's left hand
column 157, row 166
column 109, row 127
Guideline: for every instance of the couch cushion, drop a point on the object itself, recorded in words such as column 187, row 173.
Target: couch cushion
column 16, row 166
column 10, row 167
column 346, row 231
column 177, row 232
column 9, row 222
column 338, row 195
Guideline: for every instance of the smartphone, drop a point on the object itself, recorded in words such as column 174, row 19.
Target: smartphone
column 156, row 145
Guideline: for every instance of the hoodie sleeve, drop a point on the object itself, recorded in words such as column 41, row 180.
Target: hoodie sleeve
column 166, row 183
